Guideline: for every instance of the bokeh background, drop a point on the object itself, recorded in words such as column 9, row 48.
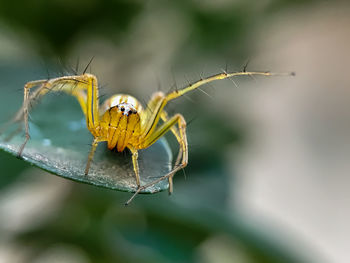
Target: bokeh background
column 268, row 173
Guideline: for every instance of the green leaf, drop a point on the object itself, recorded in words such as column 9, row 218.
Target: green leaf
column 60, row 143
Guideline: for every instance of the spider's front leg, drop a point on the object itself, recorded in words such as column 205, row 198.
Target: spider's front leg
column 164, row 128
column 19, row 117
column 182, row 158
column 152, row 114
column 83, row 87
column 175, row 131
column 181, row 137
column 135, row 165
column 92, row 152
column 155, row 111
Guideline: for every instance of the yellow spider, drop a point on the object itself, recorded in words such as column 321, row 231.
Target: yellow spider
column 121, row 120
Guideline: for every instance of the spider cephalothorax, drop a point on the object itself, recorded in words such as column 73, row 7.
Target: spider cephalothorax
column 121, row 120
column 120, row 125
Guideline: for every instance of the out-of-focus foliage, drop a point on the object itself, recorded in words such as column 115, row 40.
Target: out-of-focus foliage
column 56, row 24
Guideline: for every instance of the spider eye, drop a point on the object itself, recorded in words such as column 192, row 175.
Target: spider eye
column 122, row 109
column 130, row 112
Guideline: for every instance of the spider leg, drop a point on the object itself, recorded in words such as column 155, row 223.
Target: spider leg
column 135, row 164
column 159, row 99
column 175, row 131
column 20, row 114
column 180, row 136
column 182, row 139
column 175, row 170
column 92, row 152
column 24, row 111
column 224, row 75
column 151, row 112
column 83, row 87
column 164, row 116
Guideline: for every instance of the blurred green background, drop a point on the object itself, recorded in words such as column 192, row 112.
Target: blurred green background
column 257, row 187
